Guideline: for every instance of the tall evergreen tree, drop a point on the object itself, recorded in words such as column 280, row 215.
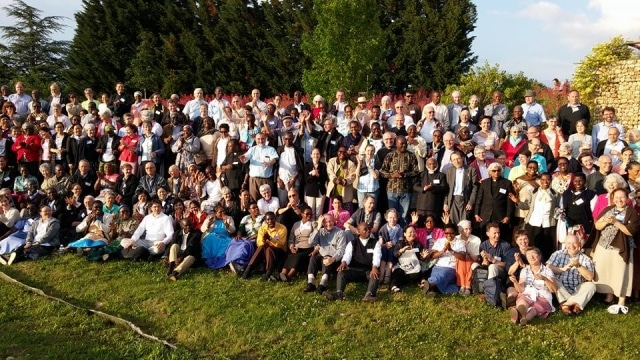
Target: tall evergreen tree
column 428, row 43
column 344, row 46
column 30, row 54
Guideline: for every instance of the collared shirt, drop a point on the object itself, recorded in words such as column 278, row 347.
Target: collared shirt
column 257, row 155
column 498, row 252
column 571, row 278
column 155, row 229
column 534, row 114
column 446, row 259
column 192, row 108
column 265, row 206
column 329, row 243
column 600, row 132
column 287, row 164
column 541, row 209
column 459, row 182
column 250, row 226
column 534, row 288
column 618, row 146
column 441, row 113
column 21, row 102
column 454, row 114
column 404, row 162
column 277, row 235
column 216, row 107
column 377, row 252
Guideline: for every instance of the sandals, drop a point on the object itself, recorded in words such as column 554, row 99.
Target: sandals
column 617, row 309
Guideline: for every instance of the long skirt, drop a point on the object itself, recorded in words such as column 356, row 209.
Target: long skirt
column 613, row 275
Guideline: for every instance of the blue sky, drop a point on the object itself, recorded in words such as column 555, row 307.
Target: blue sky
column 543, row 39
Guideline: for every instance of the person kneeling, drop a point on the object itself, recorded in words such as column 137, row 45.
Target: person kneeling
column 361, row 262
column 443, row 274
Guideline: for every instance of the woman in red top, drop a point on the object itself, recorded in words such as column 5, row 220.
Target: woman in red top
column 127, row 148
column 27, row 148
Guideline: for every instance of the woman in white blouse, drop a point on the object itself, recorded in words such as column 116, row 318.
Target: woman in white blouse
column 486, row 137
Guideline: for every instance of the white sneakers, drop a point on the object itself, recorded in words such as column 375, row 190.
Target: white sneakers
column 617, row 309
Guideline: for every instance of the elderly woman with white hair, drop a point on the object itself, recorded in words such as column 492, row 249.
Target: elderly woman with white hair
column 58, row 117
column 386, row 109
column 610, row 183
column 319, row 108
column 466, row 247
column 267, row 202
column 87, row 147
column 476, row 111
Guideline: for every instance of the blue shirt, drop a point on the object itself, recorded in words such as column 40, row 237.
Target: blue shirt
column 533, row 114
column 256, row 156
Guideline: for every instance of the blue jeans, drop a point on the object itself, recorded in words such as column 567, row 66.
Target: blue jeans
column 401, row 203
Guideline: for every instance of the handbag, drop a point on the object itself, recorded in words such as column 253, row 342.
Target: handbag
column 200, row 157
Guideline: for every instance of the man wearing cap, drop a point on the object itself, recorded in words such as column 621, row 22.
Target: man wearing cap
column 360, row 112
column 533, row 112
column 120, row 102
column 297, row 103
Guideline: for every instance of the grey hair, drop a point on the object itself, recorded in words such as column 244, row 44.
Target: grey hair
column 264, row 187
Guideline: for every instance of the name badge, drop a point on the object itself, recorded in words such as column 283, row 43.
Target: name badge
column 469, row 155
column 333, row 142
column 502, row 191
column 235, row 163
column 122, row 99
column 157, row 112
column 415, row 250
column 369, row 251
column 412, row 112
column 498, row 258
column 87, row 184
column 436, row 181
column 90, row 142
column 579, row 202
column 7, row 178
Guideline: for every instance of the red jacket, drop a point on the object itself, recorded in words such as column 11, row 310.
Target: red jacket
column 27, row 148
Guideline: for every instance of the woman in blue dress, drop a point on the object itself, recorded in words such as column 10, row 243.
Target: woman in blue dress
column 217, row 229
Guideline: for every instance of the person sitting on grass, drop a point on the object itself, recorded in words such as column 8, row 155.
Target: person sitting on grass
column 157, row 229
column 271, row 247
column 300, row 247
column 185, row 250
column 443, row 273
column 360, row 263
column 574, row 274
column 329, row 244
column 120, row 228
column 42, row 238
column 535, row 288
column 93, row 231
column 409, row 254
column 390, row 234
column 218, row 228
column 18, row 237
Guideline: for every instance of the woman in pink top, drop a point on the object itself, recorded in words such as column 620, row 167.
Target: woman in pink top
column 428, row 234
column 611, row 183
column 339, row 213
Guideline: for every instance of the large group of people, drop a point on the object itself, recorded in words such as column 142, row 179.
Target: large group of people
column 392, row 194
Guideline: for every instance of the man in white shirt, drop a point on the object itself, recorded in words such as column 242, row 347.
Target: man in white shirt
column 216, row 106
column 192, row 108
column 441, row 110
column 337, row 108
column 261, row 159
column 600, row 131
column 157, row 228
column 258, row 106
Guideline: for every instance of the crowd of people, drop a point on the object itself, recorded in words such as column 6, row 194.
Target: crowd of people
column 392, row 194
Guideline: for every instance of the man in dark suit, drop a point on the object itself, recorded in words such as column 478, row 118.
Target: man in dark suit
column 431, row 190
column 462, row 192
column 297, row 104
column 185, row 250
column 492, row 203
column 329, row 140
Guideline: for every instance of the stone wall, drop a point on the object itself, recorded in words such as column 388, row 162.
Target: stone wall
column 622, row 91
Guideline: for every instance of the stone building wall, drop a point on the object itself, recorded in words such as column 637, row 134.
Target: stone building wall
column 622, row 91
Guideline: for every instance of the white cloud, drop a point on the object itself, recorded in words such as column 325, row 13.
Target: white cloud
column 581, row 27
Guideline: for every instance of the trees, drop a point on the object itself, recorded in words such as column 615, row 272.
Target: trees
column 588, row 78
column 30, row 54
column 427, row 43
column 484, row 80
column 344, row 47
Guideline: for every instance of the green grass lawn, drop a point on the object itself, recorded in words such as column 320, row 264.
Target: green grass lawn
column 211, row 314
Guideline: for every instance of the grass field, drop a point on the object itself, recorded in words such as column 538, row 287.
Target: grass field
column 211, row 314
